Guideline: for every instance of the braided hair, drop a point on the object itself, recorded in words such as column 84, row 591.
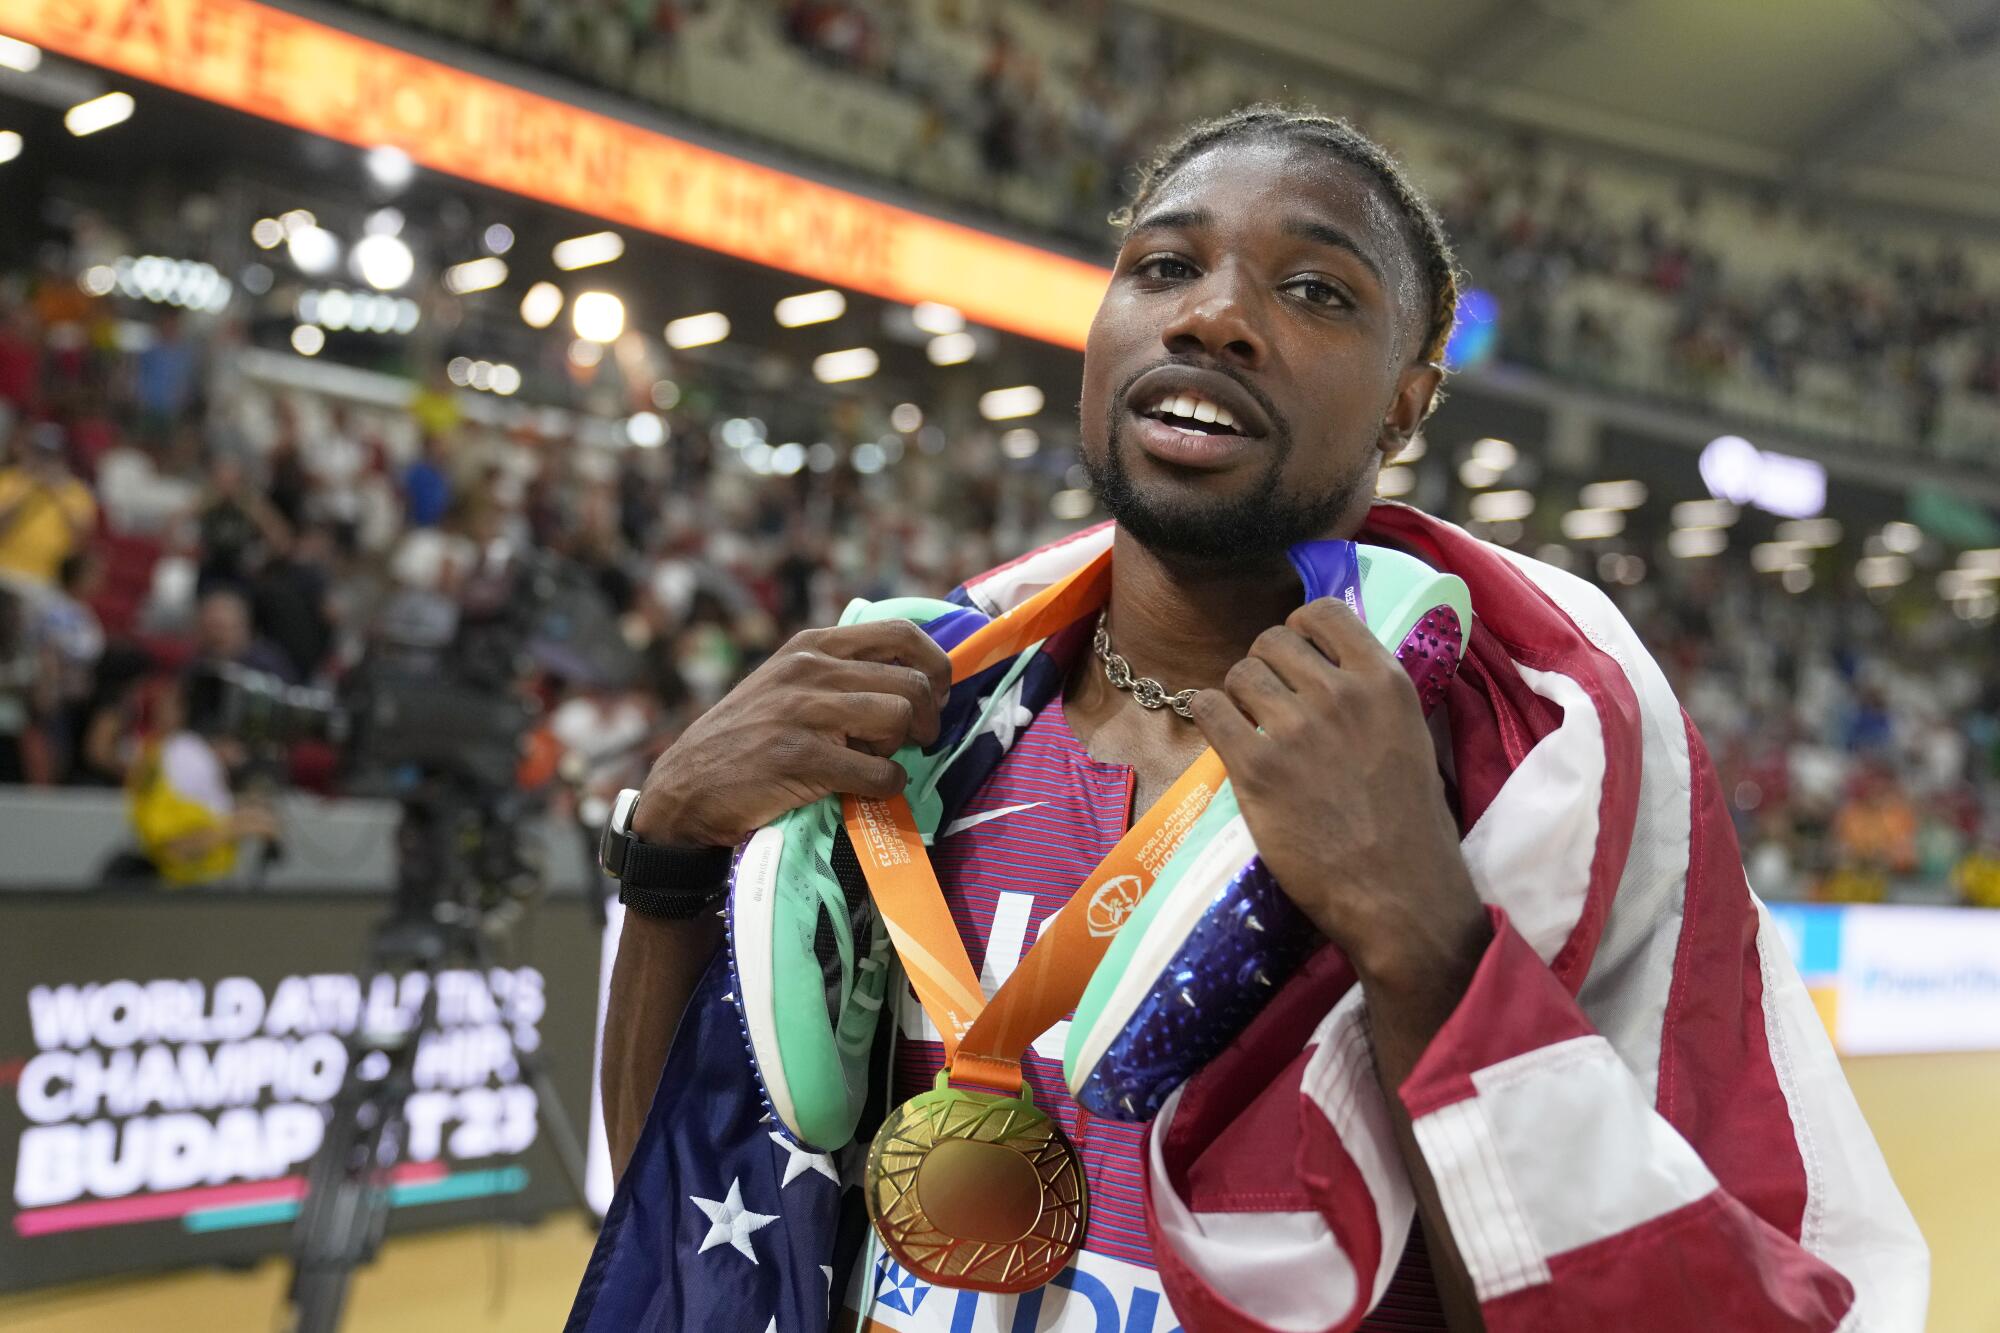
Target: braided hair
column 1343, row 141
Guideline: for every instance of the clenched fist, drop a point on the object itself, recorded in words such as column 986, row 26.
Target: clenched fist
column 821, row 716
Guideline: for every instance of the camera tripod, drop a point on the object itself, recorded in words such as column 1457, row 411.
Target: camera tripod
column 345, row 1212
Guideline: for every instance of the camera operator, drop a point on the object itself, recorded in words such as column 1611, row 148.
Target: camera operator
column 182, row 796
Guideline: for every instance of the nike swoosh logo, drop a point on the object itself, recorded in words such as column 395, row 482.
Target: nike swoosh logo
column 972, row 821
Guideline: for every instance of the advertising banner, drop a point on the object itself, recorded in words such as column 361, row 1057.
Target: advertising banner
column 283, row 67
column 1891, row 980
column 166, row 1065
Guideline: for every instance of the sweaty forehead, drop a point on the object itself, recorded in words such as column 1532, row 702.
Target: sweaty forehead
column 1253, row 185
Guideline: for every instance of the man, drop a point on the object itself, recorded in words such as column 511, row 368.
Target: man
column 1550, row 1025
column 45, row 513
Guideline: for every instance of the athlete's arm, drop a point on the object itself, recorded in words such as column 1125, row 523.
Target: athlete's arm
column 820, row 717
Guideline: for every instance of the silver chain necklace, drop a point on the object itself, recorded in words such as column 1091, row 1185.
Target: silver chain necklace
column 1149, row 692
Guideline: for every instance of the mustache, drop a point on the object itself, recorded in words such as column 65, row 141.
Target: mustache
column 1280, row 428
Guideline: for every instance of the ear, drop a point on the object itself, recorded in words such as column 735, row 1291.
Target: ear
column 1416, row 391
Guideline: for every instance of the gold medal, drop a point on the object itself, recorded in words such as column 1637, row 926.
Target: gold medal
column 976, row 1190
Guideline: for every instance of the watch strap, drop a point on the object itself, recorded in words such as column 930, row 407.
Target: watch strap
column 673, row 882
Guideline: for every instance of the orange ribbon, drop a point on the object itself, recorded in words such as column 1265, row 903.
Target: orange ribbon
column 984, row 1042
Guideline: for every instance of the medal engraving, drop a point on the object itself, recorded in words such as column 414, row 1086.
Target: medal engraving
column 975, row 1190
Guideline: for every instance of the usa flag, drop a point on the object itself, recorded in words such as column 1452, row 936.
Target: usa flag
column 1634, row 1119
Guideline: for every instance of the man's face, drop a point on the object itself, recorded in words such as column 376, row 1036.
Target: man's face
column 222, row 627
column 1272, row 285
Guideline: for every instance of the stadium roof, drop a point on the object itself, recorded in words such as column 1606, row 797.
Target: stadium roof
column 1891, row 101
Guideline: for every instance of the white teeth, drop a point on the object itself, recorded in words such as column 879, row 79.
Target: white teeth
column 1193, row 408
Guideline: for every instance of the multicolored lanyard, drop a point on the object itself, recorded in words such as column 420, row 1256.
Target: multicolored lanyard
column 969, row 1184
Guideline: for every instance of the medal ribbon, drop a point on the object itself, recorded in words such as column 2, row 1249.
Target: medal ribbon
column 984, row 1042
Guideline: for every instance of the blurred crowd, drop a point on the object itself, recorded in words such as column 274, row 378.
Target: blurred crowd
column 1858, row 742
column 1825, row 322
column 160, row 514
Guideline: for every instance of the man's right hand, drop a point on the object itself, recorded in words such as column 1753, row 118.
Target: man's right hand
column 821, row 716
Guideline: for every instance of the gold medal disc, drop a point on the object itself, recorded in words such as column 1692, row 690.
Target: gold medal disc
column 975, row 1190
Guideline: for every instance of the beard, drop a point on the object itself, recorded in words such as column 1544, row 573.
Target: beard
column 1253, row 528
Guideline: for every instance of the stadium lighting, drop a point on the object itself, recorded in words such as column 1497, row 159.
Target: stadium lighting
column 307, row 340
column 1983, row 564
column 1498, row 455
column 951, row 349
column 787, row 459
column 1022, row 400
column 1813, row 532
column 268, row 233
column 600, row 247
column 390, row 167
column 1704, row 514
column 811, row 308
column 1071, row 505
column 855, row 363
column 1696, row 543
column 99, row 113
column 1882, row 571
column 1476, row 475
column 1020, row 443
column 585, row 354
column 383, row 261
column 1777, row 557
column 1796, row 579
column 19, row 56
column 1734, row 469
column 906, row 417
column 935, row 317
column 540, row 306
column 646, row 429
column 1902, row 538
column 665, row 394
column 10, row 145
column 313, row 249
column 475, row 275
column 499, row 238
column 1415, row 449
column 1612, row 495
column 506, row 380
column 1589, row 525
column 697, row 330
column 597, row 317
column 1502, row 506
column 868, row 458
column 1394, row 482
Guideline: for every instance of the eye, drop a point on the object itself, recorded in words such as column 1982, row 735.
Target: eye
column 1171, row 268
column 1314, row 290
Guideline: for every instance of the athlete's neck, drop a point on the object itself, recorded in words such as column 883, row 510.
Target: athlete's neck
column 1186, row 626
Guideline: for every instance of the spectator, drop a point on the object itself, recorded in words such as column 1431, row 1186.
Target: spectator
column 237, row 527
column 46, row 514
column 427, row 489
column 291, row 599
column 222, row 633
column 185, row 815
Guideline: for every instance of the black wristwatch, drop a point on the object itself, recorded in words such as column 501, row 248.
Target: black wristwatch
column 672, row 883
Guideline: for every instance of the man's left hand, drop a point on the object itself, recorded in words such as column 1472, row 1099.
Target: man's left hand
column 1333, row 767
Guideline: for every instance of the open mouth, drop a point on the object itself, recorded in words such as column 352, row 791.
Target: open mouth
column 1192, row 414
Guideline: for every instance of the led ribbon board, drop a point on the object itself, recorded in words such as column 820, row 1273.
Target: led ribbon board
column 288, row 69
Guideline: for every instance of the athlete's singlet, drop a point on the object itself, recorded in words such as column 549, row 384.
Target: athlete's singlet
column 1047, row 815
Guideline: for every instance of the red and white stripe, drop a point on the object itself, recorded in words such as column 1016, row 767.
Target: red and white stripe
column 1634, row 1118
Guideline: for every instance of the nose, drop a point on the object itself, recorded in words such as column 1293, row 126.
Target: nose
column 1217, row 316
